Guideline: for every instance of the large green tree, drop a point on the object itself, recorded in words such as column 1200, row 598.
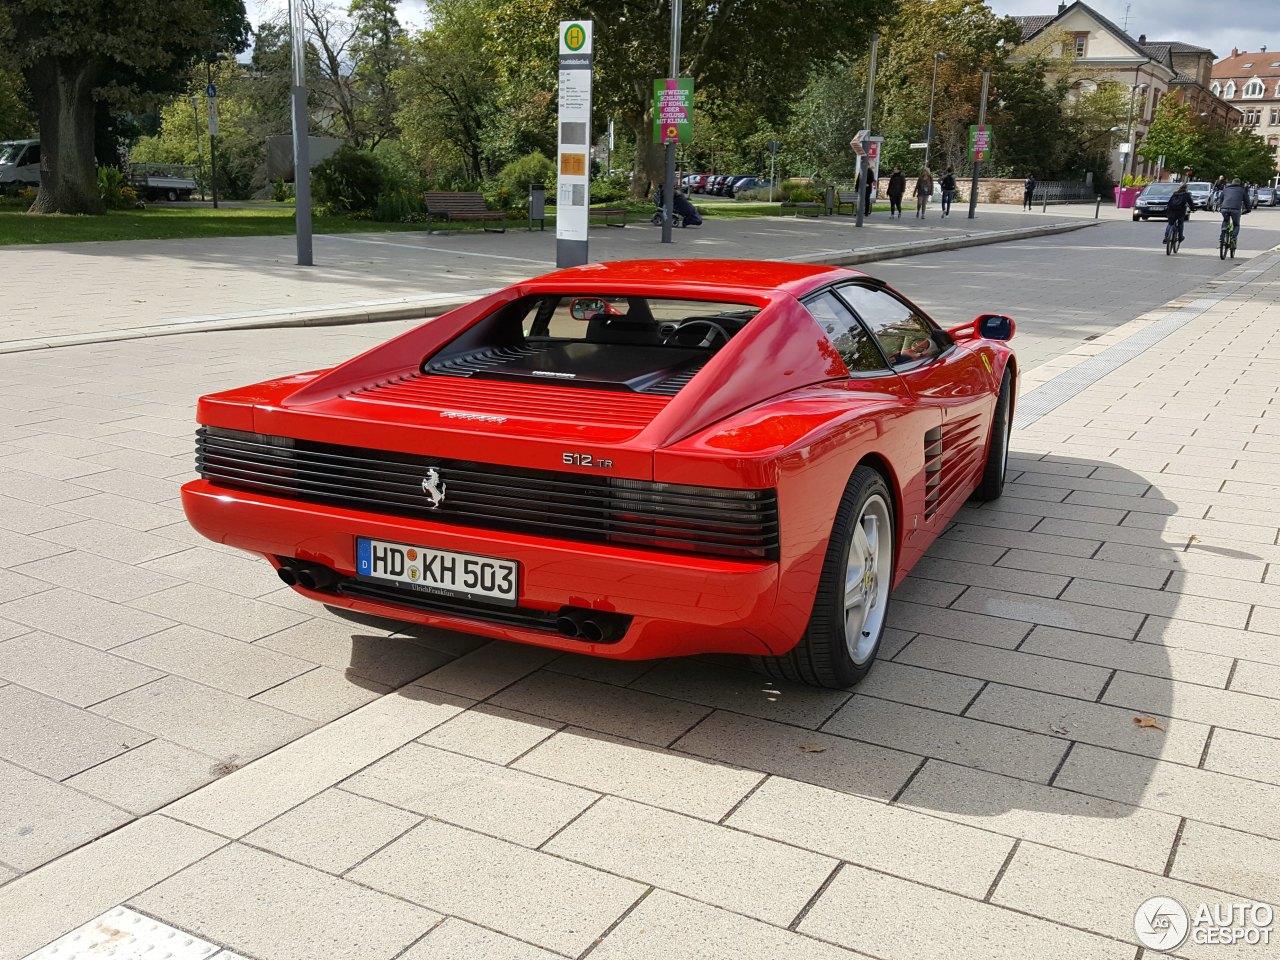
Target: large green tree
column 752, row 52
column 447, row 90
column 76, row 54
column 1175, row 135
column 16, row 119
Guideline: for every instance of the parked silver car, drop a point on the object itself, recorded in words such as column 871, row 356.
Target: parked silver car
column 1200, row 191
column 1268, row 196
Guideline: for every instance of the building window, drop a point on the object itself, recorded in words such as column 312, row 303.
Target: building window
column 1217, row 90
column 1275, row 117
column 1230, row 92
column 1252, row 117
column 1078, row 42
column 1254, row 88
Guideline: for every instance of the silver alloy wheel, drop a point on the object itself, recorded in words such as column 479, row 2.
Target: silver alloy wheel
column 868, row 577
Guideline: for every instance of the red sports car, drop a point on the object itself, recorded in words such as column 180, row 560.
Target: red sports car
column 632, row 460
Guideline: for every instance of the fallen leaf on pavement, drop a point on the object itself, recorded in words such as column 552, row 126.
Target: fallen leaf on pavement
column 812, row 748
column 1193, row 539
column 1059, row 728
column 1148, row 722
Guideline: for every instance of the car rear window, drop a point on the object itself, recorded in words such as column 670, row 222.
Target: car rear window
column 643, row 344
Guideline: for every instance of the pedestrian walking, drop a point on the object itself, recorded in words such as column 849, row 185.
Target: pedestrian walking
column 1028, row 191
column 923, row 191
column 948, row 184
column 897, row 187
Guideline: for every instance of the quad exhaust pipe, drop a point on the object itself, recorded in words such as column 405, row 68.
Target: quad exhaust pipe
column 309, row 576
column 592, row 626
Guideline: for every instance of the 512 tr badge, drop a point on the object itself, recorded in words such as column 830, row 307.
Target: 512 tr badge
column 585, row 460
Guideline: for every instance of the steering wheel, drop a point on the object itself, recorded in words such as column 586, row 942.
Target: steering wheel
column 674, row 336
column 917, row 349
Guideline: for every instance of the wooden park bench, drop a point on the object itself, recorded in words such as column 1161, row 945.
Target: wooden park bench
column 810, row 208
column 611, row 213
column 847, row 198
column 461, row 207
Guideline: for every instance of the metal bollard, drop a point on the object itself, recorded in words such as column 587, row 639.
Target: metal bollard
column 1044, row 208
column 1097, row 206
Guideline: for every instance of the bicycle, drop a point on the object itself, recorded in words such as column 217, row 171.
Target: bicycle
column 1171, row 239
column 1227, row 240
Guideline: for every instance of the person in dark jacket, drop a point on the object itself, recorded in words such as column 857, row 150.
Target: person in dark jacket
column 681, row 205
column 948, row 184
column 1235, row 201
column 868, row 190
column 1179, row 209
column 1028, row 191
column 923, row 191
column 897, row 187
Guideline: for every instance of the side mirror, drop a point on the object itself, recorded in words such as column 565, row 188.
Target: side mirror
column 993, row 326
column 585, row 308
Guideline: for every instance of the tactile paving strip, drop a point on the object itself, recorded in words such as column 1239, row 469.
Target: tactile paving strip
column 123, row 934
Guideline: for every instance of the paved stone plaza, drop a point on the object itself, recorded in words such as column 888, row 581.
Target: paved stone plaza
column 1077, row 706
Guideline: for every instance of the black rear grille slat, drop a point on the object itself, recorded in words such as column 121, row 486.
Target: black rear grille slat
column 588, row 508
column 450, row 606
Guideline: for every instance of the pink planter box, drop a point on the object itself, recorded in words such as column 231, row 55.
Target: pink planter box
column 1126, row 196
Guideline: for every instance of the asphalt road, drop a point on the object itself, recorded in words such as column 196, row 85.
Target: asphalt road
column 1062, row 290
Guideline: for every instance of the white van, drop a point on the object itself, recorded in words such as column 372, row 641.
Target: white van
column 19, row 165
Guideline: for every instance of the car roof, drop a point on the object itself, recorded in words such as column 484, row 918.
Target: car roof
column 796, row 279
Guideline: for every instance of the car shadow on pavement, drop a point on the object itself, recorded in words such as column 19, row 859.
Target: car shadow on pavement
column 1027, row 675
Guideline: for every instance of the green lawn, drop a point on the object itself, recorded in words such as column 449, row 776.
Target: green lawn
column 174, row 223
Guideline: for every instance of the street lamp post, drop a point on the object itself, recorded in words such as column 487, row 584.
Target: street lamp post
column 301, row 136
column 669, row 190
column 212, row 101
column 982, row 119
column 933, row 89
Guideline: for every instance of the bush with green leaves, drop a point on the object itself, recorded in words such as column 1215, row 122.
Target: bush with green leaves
column 115, row 193
column 398, row 205
column 611, row 188
column 516, row 177
column 348, row 182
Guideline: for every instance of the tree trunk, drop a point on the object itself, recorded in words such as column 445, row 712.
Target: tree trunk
column 63, row 91
column 649, row 170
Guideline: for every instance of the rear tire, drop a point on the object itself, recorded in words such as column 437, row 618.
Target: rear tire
column 992, row 483
column 849, row 612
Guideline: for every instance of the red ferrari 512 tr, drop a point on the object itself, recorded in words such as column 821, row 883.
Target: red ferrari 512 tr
column 632, row 460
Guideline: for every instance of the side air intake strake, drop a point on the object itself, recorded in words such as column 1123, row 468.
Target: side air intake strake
column 951, row 454
column 570, row 506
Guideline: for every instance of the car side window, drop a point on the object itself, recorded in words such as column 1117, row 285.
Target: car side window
column 846, row 334
column 904, row 335
column 33, row 155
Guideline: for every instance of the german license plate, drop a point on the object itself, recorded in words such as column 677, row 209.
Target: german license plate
column 440, row 572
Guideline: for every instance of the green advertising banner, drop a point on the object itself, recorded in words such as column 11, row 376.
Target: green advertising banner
column 673, row 110
column 979, row 141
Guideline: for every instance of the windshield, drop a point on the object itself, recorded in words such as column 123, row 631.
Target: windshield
column 1161, row 189
column 9, row 152
column 1199, row 187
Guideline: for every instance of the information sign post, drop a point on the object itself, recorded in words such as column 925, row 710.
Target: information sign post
column 573, row 149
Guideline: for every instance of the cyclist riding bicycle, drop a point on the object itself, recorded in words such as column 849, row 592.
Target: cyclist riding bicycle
column 1235, row 201
column 1179, row 209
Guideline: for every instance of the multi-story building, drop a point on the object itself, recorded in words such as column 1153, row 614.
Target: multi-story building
column 1097, row 52
column 1251, row 83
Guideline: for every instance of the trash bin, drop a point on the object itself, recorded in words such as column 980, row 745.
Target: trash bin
column 831, row 200
column 538, row 205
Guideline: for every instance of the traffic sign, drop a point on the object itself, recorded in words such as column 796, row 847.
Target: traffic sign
column 919, row 146
column 211, row 91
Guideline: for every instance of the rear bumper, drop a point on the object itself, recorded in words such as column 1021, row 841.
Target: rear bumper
column 678, row 604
